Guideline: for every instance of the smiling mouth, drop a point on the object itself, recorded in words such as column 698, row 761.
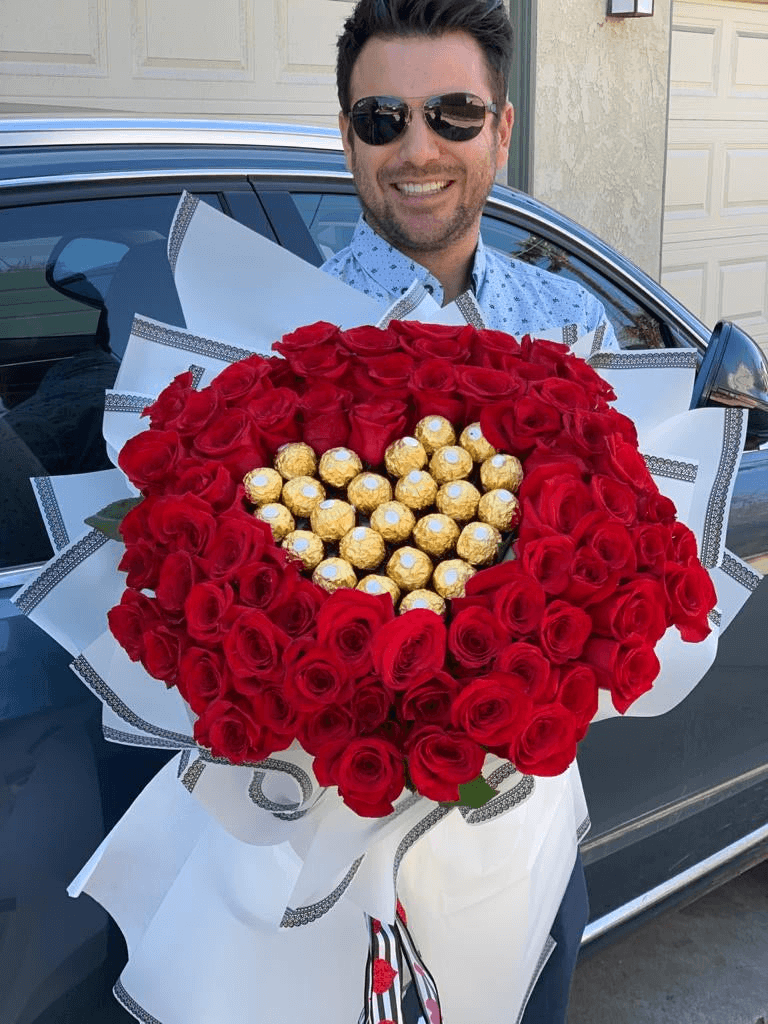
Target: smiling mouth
column 428, row 188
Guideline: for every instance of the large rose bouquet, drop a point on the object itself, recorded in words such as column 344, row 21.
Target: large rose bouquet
column 264, row 657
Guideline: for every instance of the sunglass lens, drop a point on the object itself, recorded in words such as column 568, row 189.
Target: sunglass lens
column 378, row 120
column 457, row 117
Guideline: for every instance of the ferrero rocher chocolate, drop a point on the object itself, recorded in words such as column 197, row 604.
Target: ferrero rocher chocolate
column 458, row 500
column 280, row 520
column 423, row 599
column 436, row 534
column 306, row 546
column 500, row 508
column 394, row 521
column 368, row 490
column 338, row 466
column 301, row 494
column 450, row 463
column 379, row 585
column 295, row 459
column 435, row 432
column 331, row 519
column 362, row 547
column 475, row 443
column 404, row 455
column 478, row 543
column 409, row 568
column 450, row 577
column 416, row 489
column 501, row 471
column 333, row 574
column 262, row 485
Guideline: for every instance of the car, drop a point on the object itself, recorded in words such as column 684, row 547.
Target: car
column 678, row 803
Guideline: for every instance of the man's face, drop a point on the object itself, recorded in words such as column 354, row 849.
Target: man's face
column 416, row 222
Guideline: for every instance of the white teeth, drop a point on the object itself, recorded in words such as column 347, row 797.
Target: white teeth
column 415, row 190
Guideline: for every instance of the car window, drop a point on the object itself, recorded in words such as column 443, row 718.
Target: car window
column 330, row 218
column 72, row 274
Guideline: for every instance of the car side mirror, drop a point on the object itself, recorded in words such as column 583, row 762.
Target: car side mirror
column 734, row 372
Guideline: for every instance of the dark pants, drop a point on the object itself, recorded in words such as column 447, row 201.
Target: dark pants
column 548, row 1003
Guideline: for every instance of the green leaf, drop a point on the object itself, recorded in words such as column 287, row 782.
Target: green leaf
column 475, row 794
column 108, row 519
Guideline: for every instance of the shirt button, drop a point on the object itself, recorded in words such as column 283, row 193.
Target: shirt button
column 429, row 288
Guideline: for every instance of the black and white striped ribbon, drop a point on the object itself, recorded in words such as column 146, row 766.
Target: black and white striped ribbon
column 390, row 946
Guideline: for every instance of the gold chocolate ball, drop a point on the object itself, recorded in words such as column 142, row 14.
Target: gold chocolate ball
column 423, row 599
column 338, row 466
column 478, row 543
column 362, row 547
column 450, row 463
column 333, row 574
column 279, row 519
column 306, row 546
column 295, row 459
column 436, row 534
column 451, row 577
column 394, row 521
column 368, row 490
column 404, row 455
column 332, row 518
column 500, row 508
column 262, row 485
column 501, row 471
column 373, row 584
column 473, row 440
column 301, row 494
column 416, row 489
column 435, row 432
column 458, row 500
column 409, row 568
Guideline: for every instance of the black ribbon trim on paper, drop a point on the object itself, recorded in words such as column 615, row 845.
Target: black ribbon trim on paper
column 58, row 570
column 51, row 510
column 185, row 211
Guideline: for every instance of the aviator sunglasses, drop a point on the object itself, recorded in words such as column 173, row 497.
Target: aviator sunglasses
column 455, row 116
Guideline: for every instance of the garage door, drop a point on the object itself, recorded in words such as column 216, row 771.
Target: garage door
column 715, row 252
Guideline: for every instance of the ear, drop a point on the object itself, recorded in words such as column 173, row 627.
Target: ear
column 506, row 121
column 345, row 133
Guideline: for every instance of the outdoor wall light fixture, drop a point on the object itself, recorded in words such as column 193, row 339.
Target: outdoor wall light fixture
column 630, row 8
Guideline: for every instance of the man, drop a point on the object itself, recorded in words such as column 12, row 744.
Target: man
column 426, row 126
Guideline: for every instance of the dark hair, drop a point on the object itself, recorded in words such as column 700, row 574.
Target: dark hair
column 485, row 20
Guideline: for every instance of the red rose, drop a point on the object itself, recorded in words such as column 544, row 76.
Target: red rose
column 199, row 409
column 231, row 431
column 652, row 541
column 439, row 760
column 374, row 425
column 577, row 692
column 516, row 425
column 624, row 462
column 564, row 631
column 347, row 622
column 548, row 560
column 609, row 539
column 491, row 710
column 486, row 582
column 329, row 724
column 547, row 745
column 583, row 374
column 555, row 499
column 370, row 703
column 564, row 395
column 237, row 540
column 369, row 772
column 317, row 678
column 149, row 459
column 275, row 419
column 691, row 598
column 308, row 337
column 531, row 670
column 295, row 611
column 326, row 422
column 205, row 610
column 178, row 573
column 393, row 372
column 265, row 584
column 627, row 671
column 616, row 498
column 239, row 380
column 162, row 652
column 278, row 713
column 368, row 341
column 203, row 677
column 657, row 508
column 327, row 361
column 254, row 648
column 434, row 341
column 429, row 702
column 209, row 481
column 184, row 524
column 634, row 612
column 131, row 619
column 433, row 385
column 519, row 605
column 591, row 578
column 480, row 385
column 682, row 542
column 475, row 637
column 230, row 728
column 141, row 562
column 587, row 430
column 170, row 402
column 410, row 649
column 135, row 524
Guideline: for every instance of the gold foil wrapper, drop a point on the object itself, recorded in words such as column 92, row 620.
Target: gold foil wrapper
column 278, row 518
column 333, row 574
column 499, row 508
column 423, row 599
column 459, row 500
column 338, row 466
column 501, row 471
column 450, row 463
column 368, row 490
column 404, row 455
column 435, row 432
column 295, row 459
column 362, row 547
column 409, row 568
column 416, row 489
column 394, row 521
column 435, row 534
column 451, row 577
column 478, row 543
column 306, row 546
column 332, row 518
column 262, row 485
column 474, row 442
column 374, row 584
column 301, row 494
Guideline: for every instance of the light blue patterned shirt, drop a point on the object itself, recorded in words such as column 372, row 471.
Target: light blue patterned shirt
column 515, row 297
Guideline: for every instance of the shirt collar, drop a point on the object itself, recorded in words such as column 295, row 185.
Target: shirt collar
column 395, row 272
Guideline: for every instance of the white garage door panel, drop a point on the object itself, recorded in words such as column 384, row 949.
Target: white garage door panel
column 715, row 253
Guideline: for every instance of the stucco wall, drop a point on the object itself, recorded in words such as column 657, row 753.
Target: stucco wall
column 600, row 116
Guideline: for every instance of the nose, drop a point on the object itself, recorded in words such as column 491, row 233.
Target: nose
column 419, row 144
